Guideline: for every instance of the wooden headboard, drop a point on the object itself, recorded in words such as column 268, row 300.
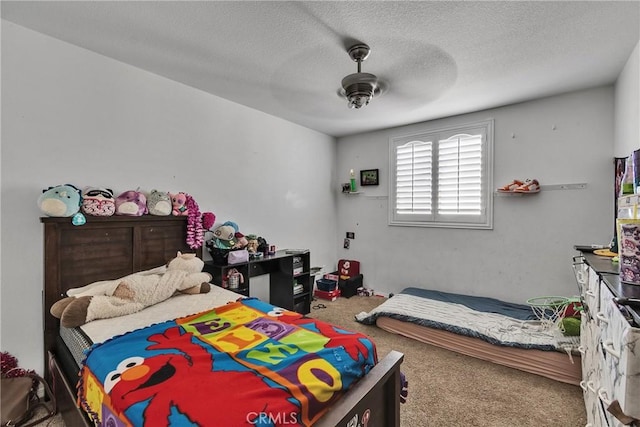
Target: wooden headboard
column 104, row 248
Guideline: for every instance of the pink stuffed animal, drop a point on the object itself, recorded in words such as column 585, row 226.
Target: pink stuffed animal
column 179, row 204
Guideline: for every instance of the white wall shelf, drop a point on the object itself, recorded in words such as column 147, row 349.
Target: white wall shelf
column 576, row 186
column 514, row 193
column 549, row 187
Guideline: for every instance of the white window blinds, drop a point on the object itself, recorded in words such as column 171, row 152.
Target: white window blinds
column 460, row 175
column 443, row 178
column 413, row 184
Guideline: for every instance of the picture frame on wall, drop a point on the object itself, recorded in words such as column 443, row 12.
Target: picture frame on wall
column 369, row 177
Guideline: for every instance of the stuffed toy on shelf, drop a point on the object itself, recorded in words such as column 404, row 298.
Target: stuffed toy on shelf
column 98, row 201
column 60, row 201
column 159, row 203
column 131, row 203
column 179, row 204
column 224, row 236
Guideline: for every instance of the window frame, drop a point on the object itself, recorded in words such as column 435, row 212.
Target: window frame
column 436, row 135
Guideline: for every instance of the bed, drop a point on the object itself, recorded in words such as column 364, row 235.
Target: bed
column 489, row 329
column 112, row 247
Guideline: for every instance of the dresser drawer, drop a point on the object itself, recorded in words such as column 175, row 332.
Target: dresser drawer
column 603, row 401
column 581, row 271
column 620, row 345
column 591, row 295
column 597, row 415
column 589, row 347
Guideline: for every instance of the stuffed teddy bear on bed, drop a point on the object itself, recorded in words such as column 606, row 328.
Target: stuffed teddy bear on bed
column 112, row 298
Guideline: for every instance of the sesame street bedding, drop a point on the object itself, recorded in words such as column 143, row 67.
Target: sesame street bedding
column 244, row 363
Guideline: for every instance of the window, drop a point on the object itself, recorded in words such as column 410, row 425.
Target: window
column 443, row 177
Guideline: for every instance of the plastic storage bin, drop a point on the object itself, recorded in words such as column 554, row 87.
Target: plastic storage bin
column 326, row 285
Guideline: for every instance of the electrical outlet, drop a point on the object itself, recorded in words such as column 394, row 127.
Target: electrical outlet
column 351, row 235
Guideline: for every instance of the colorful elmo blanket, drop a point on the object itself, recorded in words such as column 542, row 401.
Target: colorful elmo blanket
column 245, row 363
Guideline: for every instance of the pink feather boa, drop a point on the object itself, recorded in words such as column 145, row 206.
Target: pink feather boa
column 195, row 231
column 197, row 223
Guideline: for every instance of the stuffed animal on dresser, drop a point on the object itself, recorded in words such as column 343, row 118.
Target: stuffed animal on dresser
column 98, row 201
column 131, row 203
column 60, row 201
column 179, row 204
column 132, row 293
column 159, row 203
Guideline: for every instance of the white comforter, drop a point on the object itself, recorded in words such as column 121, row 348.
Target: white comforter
column 494, row 328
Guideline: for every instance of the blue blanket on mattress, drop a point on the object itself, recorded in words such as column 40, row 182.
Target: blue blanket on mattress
column 482, row 304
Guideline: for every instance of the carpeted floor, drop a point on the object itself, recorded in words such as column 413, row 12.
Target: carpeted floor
column 447, row 389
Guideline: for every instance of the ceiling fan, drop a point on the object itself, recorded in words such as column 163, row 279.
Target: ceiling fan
column 359, row 88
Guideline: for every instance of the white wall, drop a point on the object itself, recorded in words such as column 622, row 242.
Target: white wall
column 559, row 140
column 69, row 115
column 72, row 116
column 627, row 107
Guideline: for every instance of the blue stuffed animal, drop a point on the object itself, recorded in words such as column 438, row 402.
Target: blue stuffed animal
column 60, row 201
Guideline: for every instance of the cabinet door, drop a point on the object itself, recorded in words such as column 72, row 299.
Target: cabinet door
column 621, row 365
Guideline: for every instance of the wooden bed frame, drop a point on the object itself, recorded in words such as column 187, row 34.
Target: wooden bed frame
column 111, row 247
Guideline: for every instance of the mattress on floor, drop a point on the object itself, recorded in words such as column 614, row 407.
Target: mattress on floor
column 80, row 339
column 550, row 364
column 494, row 321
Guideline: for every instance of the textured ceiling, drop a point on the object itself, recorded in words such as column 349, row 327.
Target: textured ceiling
column 287, row 59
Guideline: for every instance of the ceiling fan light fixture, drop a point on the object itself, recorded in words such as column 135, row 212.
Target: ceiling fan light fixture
column 359, row 88
column 358, row 101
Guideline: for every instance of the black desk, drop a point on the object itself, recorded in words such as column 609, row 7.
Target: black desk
column 284, row 270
